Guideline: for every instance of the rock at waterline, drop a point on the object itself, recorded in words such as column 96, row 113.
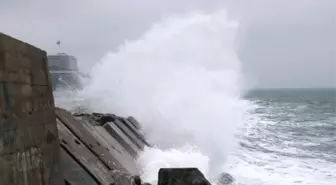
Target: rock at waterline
column 181, row 176
column 137, row 180
column 225, row 179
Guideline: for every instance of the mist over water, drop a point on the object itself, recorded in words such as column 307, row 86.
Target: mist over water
column 182, row 80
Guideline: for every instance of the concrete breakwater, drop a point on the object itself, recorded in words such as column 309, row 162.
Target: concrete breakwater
column 98, row 148
column 44, row 145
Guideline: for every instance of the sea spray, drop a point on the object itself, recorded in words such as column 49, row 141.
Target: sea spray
column 182, row 80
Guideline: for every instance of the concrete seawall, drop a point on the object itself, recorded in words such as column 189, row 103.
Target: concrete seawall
column 29, row 145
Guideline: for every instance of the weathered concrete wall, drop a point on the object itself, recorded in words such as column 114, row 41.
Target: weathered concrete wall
column 29, row 145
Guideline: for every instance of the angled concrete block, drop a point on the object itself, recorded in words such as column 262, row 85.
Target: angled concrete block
column 135, row 130
column 84, row 135
column 135, row 123
column 122, row 138
column 81, row 153
column 74, row 173
column 117, row 150
column 130, row 133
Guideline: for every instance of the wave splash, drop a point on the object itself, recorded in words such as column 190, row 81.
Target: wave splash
column 182, row 80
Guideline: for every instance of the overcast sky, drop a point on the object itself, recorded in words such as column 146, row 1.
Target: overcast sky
column 283, row 43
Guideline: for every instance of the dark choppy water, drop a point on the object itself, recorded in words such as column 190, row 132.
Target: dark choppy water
column 289, row 138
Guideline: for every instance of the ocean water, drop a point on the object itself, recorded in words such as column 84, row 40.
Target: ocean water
column 288, row 138
column 183, row 81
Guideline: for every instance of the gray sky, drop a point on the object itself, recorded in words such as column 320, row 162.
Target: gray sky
column 283, row 43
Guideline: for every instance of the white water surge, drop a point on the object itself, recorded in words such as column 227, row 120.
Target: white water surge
column 182, row 81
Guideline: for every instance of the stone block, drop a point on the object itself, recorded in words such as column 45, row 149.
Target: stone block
column 84, row 135
column 181, row 176
column 116, row 133
column 125, row 160
column 135, row 123
column 135, row 130
column 81, row 153
column 132, row 135
column 74, row 173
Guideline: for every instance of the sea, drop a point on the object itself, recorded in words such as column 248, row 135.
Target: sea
column 289, row 138
column 183, row 80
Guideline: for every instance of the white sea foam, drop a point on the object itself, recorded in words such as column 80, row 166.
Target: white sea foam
column 182, row 80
